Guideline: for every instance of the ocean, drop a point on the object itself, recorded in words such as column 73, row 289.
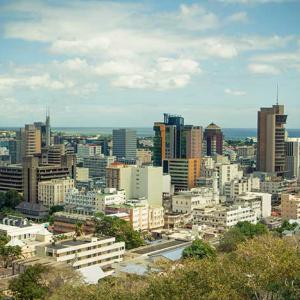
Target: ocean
column 229, row 133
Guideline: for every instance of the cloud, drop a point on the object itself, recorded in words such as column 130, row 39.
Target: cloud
column 130, row 45
column 241, row 17
column 263, row 69
column 234, row 92
column 34, row 82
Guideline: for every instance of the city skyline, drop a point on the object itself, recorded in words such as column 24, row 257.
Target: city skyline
column 211, row 61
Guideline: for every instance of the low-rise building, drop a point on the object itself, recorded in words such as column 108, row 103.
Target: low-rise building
column 85, row 251
column 90, row 202
column 237, row 187
column 290, row 207
column 19, row 228
column 187, row 201
column 221, row 217
column 259, row 202
column 66, row 222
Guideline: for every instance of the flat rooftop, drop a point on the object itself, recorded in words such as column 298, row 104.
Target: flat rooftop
column 158, row 246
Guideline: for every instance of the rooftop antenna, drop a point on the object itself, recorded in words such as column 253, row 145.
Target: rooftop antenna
column 277, row 95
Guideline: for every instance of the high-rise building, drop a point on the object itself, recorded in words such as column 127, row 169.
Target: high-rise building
column 97, row 165
column 30, row 140
column 184, row 172
column 271, row 140
column 173, row 139
column 292, row 159
column 124, row 143
column 33, row 173
column 213, row 140
column 137, row 182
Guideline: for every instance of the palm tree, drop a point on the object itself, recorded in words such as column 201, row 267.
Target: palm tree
column 78, row 230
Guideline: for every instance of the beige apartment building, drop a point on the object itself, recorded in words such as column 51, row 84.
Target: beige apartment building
column 53, row 192
column 271, row 139
column 290, row 207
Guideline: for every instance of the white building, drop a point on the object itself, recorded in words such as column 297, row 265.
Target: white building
column 237, row 187
column 82, row 174
column 24, row 232
column 187, row 201
column 259, row 202
column 293, row 158
column 53, row 192
column 86, row 251
column 221, row 217
column 138, row 182
column 226, row 173
column 88, row 203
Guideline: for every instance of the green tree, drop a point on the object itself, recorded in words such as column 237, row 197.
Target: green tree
column 56, row 208
column 78, row 230
column 120, row 229
column 12, row 199
column 29, row 285
column 9, row 253
column 250, row 230
column 231, row 239
column 199, row 250
column 286, row 226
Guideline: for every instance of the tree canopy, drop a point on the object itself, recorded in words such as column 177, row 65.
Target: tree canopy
column 198, row 250
column 120, row 229
column 264, row 267
column 10, row 199
column 239, row 233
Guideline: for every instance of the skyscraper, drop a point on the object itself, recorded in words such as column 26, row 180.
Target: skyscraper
column 173, row 139
column 30, row 140
column 271, row 139
column 292, row 160
column 213, row 140
column 124, row 143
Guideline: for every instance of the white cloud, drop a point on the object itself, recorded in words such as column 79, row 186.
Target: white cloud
column 129, row 44
column 263, row 69
column 234, row 92
column 241, row 17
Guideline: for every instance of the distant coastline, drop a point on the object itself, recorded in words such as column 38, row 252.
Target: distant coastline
column 230, row 133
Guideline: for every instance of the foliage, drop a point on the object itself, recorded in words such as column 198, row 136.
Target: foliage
column 239, row 233
column 8, row 253
column 264, row 267
column 230, row 240
column 55, row 208
column 10, row 199
column 78, row 229
column 39, row 282
column 29, row 284
column 286, row 226
column 198, row 250
column 120, row 229
column 250, row 230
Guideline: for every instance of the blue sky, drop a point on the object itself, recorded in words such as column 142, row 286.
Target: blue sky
column 125, row 63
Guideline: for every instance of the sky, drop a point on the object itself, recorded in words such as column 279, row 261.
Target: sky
column 125, row 63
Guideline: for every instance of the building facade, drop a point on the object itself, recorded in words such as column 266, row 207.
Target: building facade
column 124, row 143
column 271, row 140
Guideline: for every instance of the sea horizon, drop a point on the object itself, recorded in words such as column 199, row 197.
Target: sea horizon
column 229, row 133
